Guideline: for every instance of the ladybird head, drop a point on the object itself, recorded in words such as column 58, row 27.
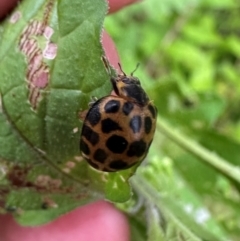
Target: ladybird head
column 129, row 87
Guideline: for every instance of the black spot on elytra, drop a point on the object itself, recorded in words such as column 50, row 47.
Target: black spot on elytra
column 147, row 124
column 94, row 114
column 109, row 125
column 100, row 155
column 84, row 147
column 153, row 110
column 90, row 135
column 127, row 107
column 112, row 106
column 136, row 123
column 118, row 165
column 116, row 144
column 137, row 148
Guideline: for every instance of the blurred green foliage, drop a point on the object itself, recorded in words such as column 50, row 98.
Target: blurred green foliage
column 189, row 52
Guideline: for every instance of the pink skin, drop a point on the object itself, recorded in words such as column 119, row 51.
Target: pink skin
column 96, row 221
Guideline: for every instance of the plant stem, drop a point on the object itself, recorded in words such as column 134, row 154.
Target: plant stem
column 211, row 158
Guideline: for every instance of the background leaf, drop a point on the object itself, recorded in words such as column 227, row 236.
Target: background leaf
column 189, row 54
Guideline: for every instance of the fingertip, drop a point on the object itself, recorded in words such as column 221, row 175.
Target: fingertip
column 6, row 7
column 110, row 50
column 96, row 221
column 109, row 223
column 115, row 5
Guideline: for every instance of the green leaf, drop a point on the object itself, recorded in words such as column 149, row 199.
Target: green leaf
column 50, row 66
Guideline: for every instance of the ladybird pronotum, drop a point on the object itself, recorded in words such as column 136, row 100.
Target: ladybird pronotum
column 118, row 130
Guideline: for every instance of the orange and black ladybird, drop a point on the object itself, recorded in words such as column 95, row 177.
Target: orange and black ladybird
column 118, row 130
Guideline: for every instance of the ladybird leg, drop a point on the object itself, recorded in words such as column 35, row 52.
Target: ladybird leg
column 107, row 65
column 92, row 101
column 82, row 114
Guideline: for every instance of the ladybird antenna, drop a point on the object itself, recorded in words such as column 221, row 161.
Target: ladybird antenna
column 107, row 65
column 135, row 69
column 121, row 69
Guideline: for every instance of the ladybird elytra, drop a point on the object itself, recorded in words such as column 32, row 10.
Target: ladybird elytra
column 118, row 129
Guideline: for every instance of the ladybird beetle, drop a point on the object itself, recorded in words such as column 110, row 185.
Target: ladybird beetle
column 118, row 130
